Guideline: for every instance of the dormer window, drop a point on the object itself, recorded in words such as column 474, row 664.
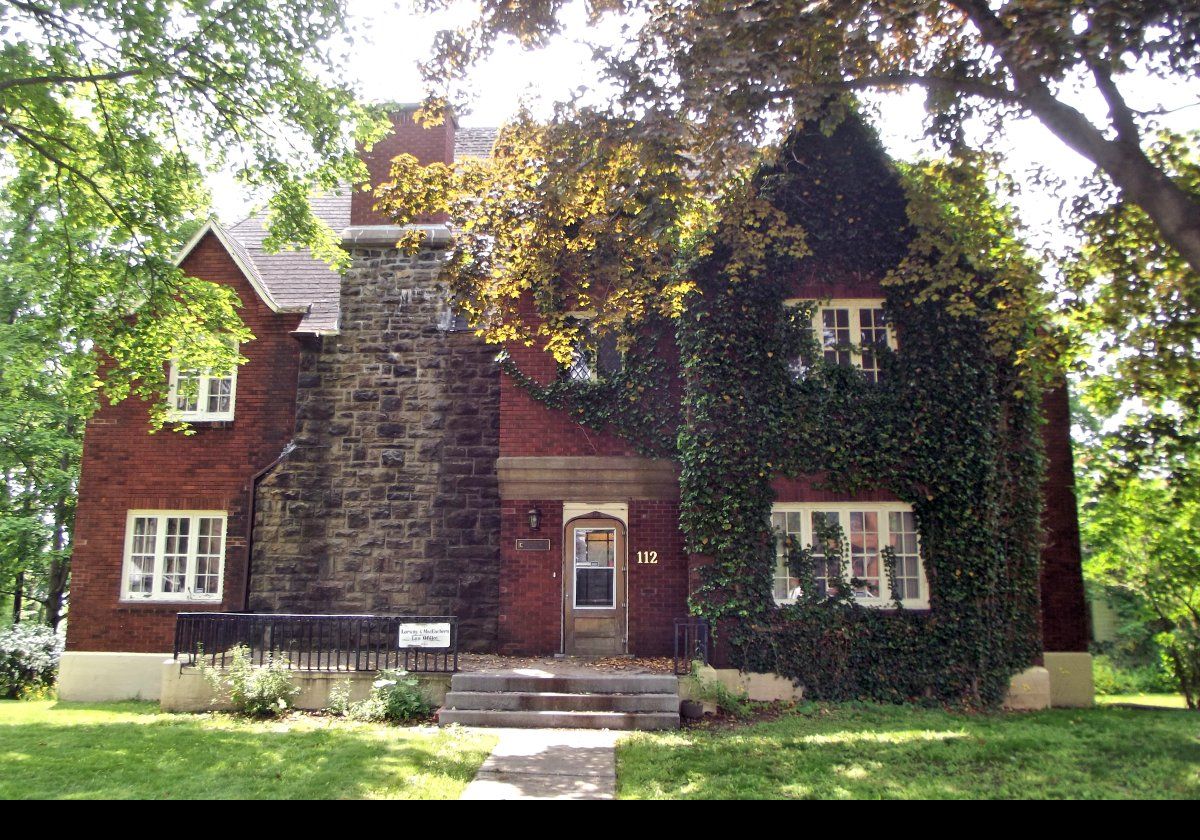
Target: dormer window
column 201, row 396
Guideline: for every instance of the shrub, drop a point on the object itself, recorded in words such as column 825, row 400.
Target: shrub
column 253, row 690
column 1111, row 677
column 29, row 655
column 340, row 703
column 714, row 691
column 395, row 698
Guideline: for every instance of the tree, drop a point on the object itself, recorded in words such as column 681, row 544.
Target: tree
column 1140, row 301
column 736, row 68
column 1141, row 539
column 734, row 73
column 111, row 113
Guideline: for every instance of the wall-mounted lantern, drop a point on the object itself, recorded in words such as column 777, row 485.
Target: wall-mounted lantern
column 535, row 518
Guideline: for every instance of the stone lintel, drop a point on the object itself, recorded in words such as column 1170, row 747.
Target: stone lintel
column 584, row 478
column 386, row 236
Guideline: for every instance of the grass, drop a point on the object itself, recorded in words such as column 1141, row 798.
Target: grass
column 59, row 750
column 1166, row 701
column 874, row 752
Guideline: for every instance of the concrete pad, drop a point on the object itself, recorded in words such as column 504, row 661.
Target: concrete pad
column 548, row 764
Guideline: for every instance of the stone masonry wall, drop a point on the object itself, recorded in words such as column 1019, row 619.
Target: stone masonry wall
column 389, row 502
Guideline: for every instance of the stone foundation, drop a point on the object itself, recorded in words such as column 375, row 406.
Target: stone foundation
column 389, row 501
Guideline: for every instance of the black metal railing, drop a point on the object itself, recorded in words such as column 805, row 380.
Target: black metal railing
column 314, row 642
column 692, row 638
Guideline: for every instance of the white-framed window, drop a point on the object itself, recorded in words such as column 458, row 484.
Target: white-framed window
column 201, row 395
column 867, row 528
column 174, row 555
column 848, row 330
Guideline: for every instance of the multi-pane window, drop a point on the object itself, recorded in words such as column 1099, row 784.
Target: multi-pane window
column 865, row 529
column 202, row 395
column 873, row 334
column 591, row 358
column 851, row 333
column 902, row 535
column 174, row 555
column 595, row 567
column 835, row 335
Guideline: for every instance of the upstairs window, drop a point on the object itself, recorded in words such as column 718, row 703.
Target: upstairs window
column 851, row 333
column 592, row 357
column 201, row 395
column 867, row 528
column 174, row 555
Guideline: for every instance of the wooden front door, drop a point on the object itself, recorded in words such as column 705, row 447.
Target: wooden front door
column 594, row 615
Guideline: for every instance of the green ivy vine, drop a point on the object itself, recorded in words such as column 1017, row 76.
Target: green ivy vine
column 951, row 428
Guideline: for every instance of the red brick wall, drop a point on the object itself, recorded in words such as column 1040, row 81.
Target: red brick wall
column 530, row 581
column 531, row 593
column 529, row 428
column 427, row 145
column 126, row 468
column 657, row 593
column 1065, row 620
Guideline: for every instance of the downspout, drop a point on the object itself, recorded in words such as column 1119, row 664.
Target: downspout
column 250, row 511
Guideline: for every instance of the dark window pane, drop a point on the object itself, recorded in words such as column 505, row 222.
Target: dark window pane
column 594, row 587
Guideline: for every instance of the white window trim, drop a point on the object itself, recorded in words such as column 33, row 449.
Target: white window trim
column 855, row 305
column 201, row 413
column 843, row 509
column 156, row 594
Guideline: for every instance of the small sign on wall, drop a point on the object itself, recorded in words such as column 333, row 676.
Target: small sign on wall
column 425, row 635
column 533, row 545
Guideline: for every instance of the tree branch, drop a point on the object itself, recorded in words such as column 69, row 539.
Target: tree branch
column 1122, row 116
column 68, row 78
column 969, row 87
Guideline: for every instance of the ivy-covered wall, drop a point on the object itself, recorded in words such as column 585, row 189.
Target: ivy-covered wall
column 952, row 427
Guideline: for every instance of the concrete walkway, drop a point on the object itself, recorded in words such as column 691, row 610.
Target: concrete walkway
column 548, row 764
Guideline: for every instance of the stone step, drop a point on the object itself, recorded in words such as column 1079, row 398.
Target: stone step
column 559, row 720
column 548, row 701
column 530, row 684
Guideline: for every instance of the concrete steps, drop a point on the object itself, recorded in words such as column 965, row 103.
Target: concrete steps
column 625, row 701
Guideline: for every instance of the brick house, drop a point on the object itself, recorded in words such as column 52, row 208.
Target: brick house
column 370, row 457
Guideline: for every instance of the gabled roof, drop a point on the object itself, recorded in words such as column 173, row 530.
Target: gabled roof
column 296, row 281
column 241, row 258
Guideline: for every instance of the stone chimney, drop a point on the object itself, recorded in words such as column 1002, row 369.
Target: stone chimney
column 428, row 145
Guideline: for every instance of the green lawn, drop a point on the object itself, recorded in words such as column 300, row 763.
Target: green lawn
column 1167, row 701
column 869, row 752
column 134, row 751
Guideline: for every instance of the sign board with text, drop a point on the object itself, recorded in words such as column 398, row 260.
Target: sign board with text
column 425, row 635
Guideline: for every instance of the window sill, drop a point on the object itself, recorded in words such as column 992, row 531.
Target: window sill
column 205, row 422
column 166, row 604
column 883, row 606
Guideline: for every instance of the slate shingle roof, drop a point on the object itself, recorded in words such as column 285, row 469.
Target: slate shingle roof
column 296, row 279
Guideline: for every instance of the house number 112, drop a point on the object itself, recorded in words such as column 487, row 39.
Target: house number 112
column 650, row 557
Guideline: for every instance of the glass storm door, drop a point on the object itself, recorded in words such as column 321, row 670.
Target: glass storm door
column 594, row 588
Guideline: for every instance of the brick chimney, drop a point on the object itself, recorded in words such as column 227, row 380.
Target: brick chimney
column 428, row 145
